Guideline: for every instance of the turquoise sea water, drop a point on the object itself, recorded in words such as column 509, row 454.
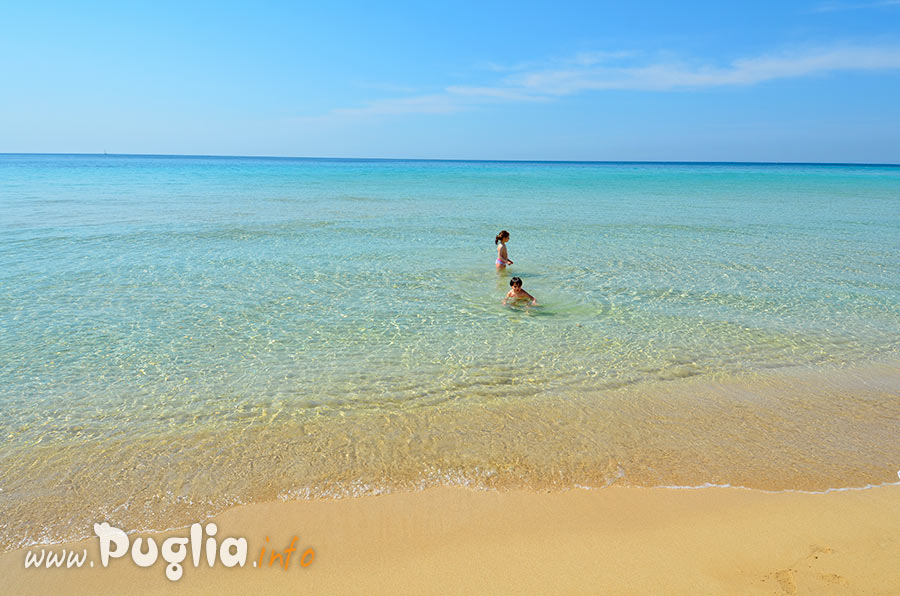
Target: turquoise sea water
column 183, row 333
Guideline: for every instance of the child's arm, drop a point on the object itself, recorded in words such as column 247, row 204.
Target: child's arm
column 533, row 299
column 507, row 297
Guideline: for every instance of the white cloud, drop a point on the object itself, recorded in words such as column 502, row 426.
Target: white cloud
column 436, row 103
column 499, row 93
column 664, row 76
column 624, row 71
column 839, row 6
column 581, row 59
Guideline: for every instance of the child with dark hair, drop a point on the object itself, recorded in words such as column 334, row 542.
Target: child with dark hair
column 502, row 256
column 516, row 293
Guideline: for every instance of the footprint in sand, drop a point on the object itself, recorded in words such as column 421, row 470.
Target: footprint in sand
column 815, row 549
column 833, row 578
column 787, row 578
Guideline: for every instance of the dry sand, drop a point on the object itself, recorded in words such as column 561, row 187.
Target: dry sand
column 459, row 541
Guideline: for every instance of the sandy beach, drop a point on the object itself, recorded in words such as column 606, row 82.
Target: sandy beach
column 450, row 299
column 460, row 541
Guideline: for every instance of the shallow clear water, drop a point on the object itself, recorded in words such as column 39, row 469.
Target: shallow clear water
column 179, row 334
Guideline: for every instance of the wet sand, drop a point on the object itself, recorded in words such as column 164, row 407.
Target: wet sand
column 785, row 429
column 617, row 540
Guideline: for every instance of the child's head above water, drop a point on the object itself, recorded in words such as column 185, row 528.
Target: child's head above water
column 503, row 236
column 516, row 293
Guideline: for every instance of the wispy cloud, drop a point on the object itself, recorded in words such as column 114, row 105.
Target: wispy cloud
column 602, row 71
column 388, row 87
column 671, row 75
column 840, row 6
column 435, row 103
column 579, row 59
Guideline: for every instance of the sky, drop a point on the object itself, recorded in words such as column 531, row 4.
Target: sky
column 815, row 81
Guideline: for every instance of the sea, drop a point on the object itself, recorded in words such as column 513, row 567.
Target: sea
column 179, row 335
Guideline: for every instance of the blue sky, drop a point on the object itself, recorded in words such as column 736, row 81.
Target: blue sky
column 767, row 81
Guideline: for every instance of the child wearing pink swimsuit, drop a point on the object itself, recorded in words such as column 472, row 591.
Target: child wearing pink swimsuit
column 502, row 256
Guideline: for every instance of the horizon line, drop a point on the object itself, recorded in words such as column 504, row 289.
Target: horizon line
column 458, row 160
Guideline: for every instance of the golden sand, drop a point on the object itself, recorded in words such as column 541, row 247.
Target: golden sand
column 786, row 429
column 460, row 541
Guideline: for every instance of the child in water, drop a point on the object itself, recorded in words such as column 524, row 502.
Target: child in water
column 517, row 294
column 502, row 256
